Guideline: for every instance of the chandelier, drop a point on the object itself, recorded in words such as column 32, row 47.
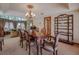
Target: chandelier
column 30, row 14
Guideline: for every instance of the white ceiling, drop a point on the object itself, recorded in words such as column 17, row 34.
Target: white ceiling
column 19, row 9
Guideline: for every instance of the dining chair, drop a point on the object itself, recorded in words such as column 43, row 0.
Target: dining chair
column 22, row 38
column 27, row 38
column 29, row 41
column 51, row 46
column 0, row 44
column 2, row 34
column 1, row 38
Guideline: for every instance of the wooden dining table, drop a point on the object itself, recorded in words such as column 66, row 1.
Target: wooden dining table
column 39, row 38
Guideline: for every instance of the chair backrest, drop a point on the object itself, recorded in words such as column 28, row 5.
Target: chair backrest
column 2, row 32
column 20, row 34
column 56, row 40
column 26, row 35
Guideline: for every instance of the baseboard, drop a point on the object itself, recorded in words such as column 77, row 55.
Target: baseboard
column 76, row 43
column 65, row 41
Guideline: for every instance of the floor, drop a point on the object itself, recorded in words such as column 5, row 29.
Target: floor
column 12, row 47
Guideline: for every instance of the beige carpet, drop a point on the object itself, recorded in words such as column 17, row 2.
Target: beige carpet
column 12, row 47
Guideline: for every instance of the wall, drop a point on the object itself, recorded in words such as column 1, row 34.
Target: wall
column 40, row 20
column 75, row 24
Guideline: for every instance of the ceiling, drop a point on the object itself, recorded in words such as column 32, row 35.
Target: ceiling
column 19, row 9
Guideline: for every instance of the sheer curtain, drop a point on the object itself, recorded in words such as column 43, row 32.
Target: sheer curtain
column 8, row 26
column 21, row 26
column 11, row 26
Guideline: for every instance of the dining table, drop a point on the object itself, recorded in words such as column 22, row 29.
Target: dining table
column 39, row 38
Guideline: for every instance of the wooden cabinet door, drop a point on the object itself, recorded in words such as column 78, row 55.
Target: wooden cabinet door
column 47, row 25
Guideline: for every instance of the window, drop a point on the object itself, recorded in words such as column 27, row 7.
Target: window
column 8, row 26
column 9, row 17
column 11, row 26
column 21, row 26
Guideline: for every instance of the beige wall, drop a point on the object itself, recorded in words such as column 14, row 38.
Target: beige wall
column 75, row 22
column 39, row 23
column 76, row 26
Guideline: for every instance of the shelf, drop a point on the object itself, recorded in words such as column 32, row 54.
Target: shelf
column 63, row 28
column 63, row 24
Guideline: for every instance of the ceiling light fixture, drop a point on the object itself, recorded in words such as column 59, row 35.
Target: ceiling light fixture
column 30, row 14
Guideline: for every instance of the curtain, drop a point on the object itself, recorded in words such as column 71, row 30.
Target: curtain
column 8, row 26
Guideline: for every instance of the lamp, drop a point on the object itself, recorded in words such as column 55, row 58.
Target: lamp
column 30, row 14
